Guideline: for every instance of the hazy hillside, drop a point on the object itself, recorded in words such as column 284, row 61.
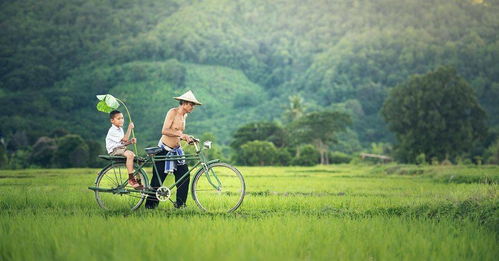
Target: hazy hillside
column 148, row 88
column 243, row 59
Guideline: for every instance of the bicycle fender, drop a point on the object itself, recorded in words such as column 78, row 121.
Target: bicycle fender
column 207, row 164
column 212, row 161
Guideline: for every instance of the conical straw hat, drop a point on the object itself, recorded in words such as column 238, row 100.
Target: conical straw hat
column 188, row 96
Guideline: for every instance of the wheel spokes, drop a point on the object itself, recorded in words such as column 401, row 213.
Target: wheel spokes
column 219, row 190
column 120, row 194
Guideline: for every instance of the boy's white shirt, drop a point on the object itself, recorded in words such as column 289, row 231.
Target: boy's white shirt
column 114, row 137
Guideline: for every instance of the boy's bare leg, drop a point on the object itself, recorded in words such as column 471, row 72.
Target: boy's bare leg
column 129, row 165
column 129, row 160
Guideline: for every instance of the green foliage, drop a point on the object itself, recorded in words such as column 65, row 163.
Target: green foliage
column 43, row 152
column 348, row 142
column 435, row 161
column 295, row 109
column 319, row 128
column 150, row 98
column 283, row 157
column 309, row 156
column 436, row 114
column 493, row 153
column 243, row 59
column 4, row 160
column 18, row 141
column 59, row 132
column 421, row 159
column 94, row 150
column 336, row 157
column 107, row 103
column 380, row 148
column 263, row 131
column 72, row 151
column 257, row 153
column 19, row 159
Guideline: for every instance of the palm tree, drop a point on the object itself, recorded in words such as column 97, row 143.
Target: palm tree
column 295, row 109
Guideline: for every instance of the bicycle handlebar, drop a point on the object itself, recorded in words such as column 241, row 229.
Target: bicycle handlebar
column 195, row 142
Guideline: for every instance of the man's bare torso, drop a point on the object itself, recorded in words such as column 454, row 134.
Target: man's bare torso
column 178, row 124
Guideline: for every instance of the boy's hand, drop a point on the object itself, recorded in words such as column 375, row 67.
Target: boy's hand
column 133, row 141
column 131, row 126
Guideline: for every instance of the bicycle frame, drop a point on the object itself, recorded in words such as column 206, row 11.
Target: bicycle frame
column 198, row 156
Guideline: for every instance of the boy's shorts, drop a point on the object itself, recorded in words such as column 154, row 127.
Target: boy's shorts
column 119, row 151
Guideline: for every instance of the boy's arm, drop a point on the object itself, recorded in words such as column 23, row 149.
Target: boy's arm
column 128, row 132
column 131, row 141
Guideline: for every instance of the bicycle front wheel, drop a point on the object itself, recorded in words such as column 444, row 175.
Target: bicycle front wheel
column 219, row 189
column 112, row 195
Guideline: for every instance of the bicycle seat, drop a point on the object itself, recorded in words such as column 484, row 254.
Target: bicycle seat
column 153, row 150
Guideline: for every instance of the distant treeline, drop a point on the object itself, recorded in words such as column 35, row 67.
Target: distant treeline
column 436, row 118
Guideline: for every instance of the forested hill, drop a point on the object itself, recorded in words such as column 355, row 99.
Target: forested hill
column 242, row 59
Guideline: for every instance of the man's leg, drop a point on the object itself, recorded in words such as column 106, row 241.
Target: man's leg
column 158, row 168
column 183, row 187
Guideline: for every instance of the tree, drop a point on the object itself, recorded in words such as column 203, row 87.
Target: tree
column 283, row 157
column 19, row 159
column 43, row 152
column 260, row 153
column 94, row 150
column 492, row 153
column 320, row 129
column 145, row 53
column 309, row 156
column 295, row 108
column 3, row 155
column 59, row 132
column 72, row 151
column 436, row 114
column 18, row 141
column 337, row 157
column 264, row 131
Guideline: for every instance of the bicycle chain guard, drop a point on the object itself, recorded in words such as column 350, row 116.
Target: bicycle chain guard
column 163, row 193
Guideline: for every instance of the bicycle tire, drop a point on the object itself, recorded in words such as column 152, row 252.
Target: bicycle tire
column 110, row 178
column 228, row 197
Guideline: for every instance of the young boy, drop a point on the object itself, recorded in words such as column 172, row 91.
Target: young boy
column 116, row 142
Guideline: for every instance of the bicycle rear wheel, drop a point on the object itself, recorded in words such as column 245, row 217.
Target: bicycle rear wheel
column 111, row 195
column 220, row 189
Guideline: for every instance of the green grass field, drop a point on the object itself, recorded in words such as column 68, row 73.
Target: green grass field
column 352, row 212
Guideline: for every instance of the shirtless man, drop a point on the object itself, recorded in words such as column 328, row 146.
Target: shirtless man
column 174, row 125
column 171, row 134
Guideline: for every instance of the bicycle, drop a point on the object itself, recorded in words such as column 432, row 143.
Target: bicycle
column 216, row 186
